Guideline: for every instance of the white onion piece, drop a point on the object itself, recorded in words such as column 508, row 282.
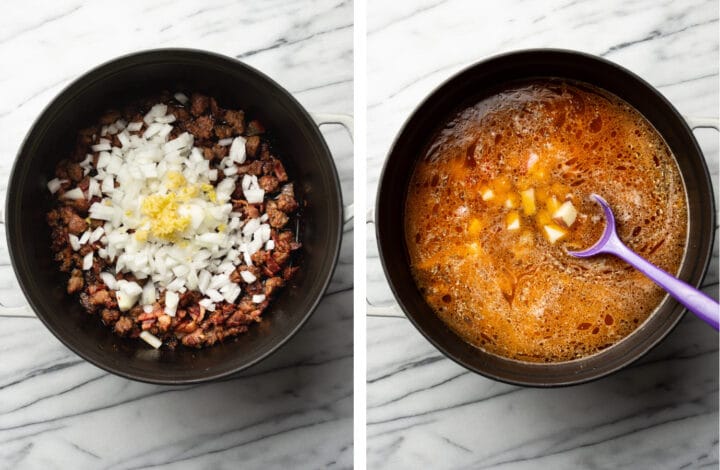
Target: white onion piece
column 181, row 97
column 258, row 299
column 248, row 276
column 93, row 188
column 127, row 294
column 237, row 150
column 74, row 194
column 55, row 184
column 101, row 147
column 152, row 130
column 207, row 304
column 231, row 292
column 148, row 293
column 108, row 185
column 224, row 189
column 85, row 237
column 87, row 261
column 167, row 119
column 155, row 111
column 214, row 295
column 74, row 242
column 171, row 302
column 254, row 196
column 204, row 280
column 151, row 339
column 134, row 126
column 96, row 234
column 109, row 280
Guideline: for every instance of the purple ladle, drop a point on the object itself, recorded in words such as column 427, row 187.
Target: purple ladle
column 695, row 301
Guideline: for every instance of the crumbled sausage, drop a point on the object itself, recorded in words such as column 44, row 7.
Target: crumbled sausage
column 201, row 127
column 269, row 183
column 76, row 224
column 123, row 326
column 110, row 117
column 272, row 284
column 255, row 127
column 109, row 315
column 286, row 203
column 216, row 152
column 75, row 172
column 198, row 104
column 223, row 132
column 253, row 168
column 215, row 110
column 280, row 171
column 252, row 144
column 236, row 120
column 101, row 297
column 76, row 282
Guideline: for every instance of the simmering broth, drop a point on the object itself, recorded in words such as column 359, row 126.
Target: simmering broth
column 503, row 190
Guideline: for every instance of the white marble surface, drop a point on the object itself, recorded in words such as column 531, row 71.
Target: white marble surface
column 424, row 411
column 295, row 409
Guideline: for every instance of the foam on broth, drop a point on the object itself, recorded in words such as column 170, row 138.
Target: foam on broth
column 512, row 292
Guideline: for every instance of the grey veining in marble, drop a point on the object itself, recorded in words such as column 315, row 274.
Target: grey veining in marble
column 295, row 409
column 424, row 411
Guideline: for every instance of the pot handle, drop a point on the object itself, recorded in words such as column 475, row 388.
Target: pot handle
column 391, row 310
column 696, row 122
column 22, row 310
column 348, row 122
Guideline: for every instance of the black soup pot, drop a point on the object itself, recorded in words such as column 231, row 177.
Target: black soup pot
column 467, row 88
column 297, row 140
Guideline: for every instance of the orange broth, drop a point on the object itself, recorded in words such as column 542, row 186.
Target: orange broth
column 482, row 257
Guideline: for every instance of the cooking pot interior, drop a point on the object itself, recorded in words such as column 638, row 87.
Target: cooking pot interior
column 469, row 87
column 296, row 141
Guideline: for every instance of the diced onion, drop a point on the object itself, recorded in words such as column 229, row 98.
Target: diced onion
column 248, row 276
column 101, row 147
column 237, row 150
column 207, row 304
column 151, row 339
column 254, row 196
column 148, row 293
column 134, row 126
column 85, row 237
column 87, row 261
column 74, row 194
column 181, row 97
column 96, row 234
column 55, row 184
column 214, row 295
column 109, row 280
column 74, row 242
column 171, row 302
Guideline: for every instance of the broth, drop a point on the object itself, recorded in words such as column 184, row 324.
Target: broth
column 482, row 255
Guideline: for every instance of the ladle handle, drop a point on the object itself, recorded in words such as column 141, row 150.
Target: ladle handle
column 700, row 304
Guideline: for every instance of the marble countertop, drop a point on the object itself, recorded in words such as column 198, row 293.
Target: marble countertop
column 293, row 410
column 424, row 411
